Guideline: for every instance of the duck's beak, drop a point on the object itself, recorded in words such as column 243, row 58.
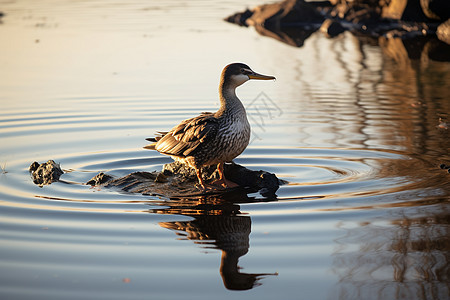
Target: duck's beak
column 257, row 76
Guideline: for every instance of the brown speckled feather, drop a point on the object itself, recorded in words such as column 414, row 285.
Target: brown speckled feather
column 188, row 137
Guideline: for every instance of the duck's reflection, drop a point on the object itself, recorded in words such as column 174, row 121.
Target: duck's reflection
column 217, row 224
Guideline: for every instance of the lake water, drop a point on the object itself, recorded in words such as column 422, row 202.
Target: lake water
column 357, row 130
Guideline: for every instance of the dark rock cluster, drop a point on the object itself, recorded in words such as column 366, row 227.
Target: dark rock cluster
column 293, row 21
column 177, row 180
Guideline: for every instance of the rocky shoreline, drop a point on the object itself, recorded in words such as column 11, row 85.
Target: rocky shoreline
column 293, row 21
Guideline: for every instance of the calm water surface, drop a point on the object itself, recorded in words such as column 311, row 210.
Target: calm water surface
column 358, row 136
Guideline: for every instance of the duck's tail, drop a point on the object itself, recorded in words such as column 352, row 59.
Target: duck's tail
column 150, row 147
column 154, row 140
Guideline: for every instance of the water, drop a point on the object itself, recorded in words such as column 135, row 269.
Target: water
column 358, row 136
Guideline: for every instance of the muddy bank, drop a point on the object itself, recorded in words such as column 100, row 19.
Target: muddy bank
column 293, row 21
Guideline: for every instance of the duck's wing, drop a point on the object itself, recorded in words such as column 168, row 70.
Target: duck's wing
column 187, row 137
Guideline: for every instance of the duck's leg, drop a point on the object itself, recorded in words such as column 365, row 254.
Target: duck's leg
column 203, row 186
column 223, row 181
column 200, row 178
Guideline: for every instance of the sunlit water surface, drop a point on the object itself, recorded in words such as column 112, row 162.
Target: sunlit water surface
column 358, row 137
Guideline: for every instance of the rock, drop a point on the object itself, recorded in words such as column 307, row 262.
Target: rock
column 181, row 170
column 405, row 10
column 234, row 172
column 137, row 182
column 99, row 179
column 285, row 13
column 177, row 180
column 293, row 21
column 262, row 181
column 394, row 9
column 356, row 12
column 443, row 32
column 289, row 21
column 45, row 173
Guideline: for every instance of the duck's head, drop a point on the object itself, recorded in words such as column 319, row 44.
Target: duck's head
column 237, row 73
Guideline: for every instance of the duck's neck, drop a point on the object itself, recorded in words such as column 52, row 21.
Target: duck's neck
column 229, row 102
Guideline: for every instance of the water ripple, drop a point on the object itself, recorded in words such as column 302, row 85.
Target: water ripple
column 317, row 175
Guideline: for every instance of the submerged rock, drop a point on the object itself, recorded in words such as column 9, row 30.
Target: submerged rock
column 45, row 173
column 177, row 180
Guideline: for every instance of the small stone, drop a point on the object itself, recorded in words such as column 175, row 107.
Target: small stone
column 45, row 173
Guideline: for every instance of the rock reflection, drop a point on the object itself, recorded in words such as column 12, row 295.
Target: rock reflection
column 407, row 259
column 217, row 224
column 292, row 36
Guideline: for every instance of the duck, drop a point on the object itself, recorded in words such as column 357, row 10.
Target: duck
column 212, row 138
